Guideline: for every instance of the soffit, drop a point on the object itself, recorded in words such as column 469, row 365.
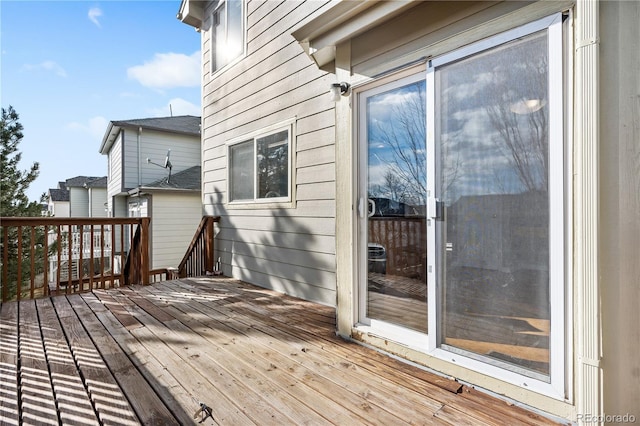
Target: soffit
column 340, row 21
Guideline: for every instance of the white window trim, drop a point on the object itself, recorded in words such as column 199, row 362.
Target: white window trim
column 264, row 203
column 243, row 18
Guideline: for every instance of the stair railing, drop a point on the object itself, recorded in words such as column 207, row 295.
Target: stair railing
column 199, row 258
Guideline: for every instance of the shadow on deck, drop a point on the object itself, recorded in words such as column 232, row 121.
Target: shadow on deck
column 152, row 354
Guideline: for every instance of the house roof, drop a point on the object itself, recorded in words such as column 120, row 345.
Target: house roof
column 182, row 124
column 86, row 182
column 61, row 193
column 58, row 194
column 188, row 179
column 100, row 182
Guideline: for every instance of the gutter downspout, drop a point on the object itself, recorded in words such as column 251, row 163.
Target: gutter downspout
column 139, row 164
column 589, row 382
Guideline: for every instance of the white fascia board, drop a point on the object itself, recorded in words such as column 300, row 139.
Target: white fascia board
column 191, row 13
column 108, row 138
column 341, row 21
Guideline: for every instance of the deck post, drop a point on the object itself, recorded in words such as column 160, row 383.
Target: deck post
column 209, row 262
column 144, row 250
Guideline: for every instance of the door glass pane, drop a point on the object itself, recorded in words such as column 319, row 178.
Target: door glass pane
column 493, row 177
column 396, row 230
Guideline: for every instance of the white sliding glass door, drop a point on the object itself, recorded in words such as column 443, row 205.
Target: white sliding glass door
column 461, row 206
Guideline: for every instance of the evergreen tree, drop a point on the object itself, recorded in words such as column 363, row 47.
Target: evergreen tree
column 14, row 202
column 13, row 181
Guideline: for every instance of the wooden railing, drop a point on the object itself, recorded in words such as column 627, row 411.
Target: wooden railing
column 199, row 258
column 42, row 256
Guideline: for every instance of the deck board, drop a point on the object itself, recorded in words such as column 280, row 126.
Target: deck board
column 150, row 355
column 9, row 412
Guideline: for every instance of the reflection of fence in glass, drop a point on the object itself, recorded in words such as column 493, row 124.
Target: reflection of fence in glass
column 405, row 241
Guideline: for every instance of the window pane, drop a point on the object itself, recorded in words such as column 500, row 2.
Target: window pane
column 241, row 163
column 226, row 33
column 492, row 150
column 218, row 38
column 235, row 32
column 273, row 165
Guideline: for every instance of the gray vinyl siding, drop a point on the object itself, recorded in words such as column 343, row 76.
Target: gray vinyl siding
column 114, row 181
column 97, row 200
column 176, row 217
column 289, row 249
column 619, row 234
column 78, row 202
column 61, row 209
column 185, row 153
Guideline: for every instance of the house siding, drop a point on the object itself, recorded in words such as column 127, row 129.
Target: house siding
column 175, row 219
column 78, row 202
column 290, row 249
column 60, row 209
column 97, row 199
column 185, row 153
column 114, row 185
column 619, row 155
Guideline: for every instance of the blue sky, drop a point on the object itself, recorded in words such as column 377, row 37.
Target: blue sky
column 70, row 67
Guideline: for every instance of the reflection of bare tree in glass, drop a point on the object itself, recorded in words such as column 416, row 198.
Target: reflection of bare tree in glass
column 393, row 186
column 405, row 134
column 516, row 100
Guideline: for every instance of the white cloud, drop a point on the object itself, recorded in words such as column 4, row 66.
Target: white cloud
column 179, row 106
column 47, row 66
column 95, row 127
column 94, row 14
column 168, row 70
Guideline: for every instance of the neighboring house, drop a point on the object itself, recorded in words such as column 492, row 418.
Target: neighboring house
column 87, row 196
column 175, row 206
column 58, row 201
column 80, row 196
column 154, row 170
column 514, row 125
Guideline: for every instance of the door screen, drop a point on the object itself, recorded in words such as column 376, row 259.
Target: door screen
column 492, row 168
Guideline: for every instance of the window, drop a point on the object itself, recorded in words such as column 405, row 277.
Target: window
column 227, row 33
column 259, row 167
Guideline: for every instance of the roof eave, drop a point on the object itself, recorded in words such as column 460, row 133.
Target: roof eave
column 191, row 12
column 108, row 138
column 152, row 189
column 340, row 21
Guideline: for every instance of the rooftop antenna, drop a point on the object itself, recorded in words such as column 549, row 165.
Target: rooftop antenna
column 166, row 165
column 170, row 110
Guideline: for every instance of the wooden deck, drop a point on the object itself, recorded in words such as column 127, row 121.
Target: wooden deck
column 150, row 355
